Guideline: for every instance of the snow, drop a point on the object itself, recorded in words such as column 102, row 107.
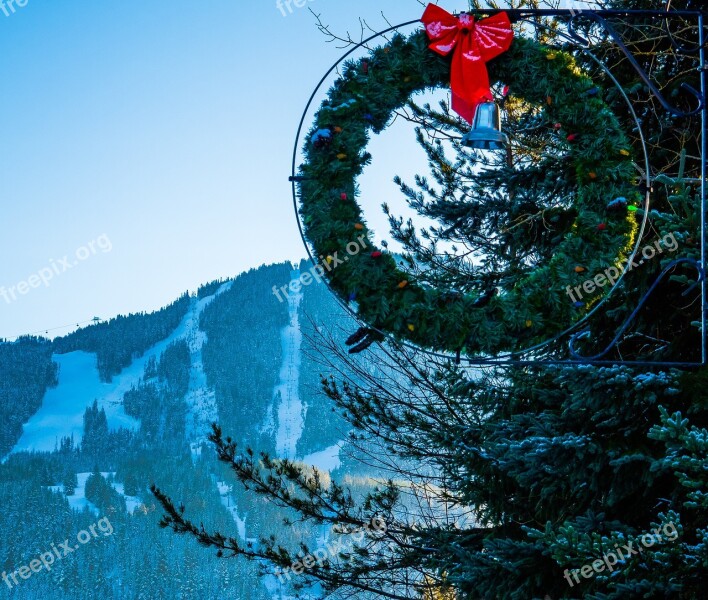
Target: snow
column 200, row 399
column 325, row 460
column 275, row 588
column 131, row 502
column 78, row 501
column 291, row 419
column 287, row 402
column 230, row 504
column 63, row 407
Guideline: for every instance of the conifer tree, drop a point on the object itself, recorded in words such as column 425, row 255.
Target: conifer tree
column 519, row 480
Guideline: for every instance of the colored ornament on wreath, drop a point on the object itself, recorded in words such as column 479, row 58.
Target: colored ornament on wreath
column 617, row 203
column 321, row 138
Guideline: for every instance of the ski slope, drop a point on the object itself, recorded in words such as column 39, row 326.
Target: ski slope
column 230, row 504
column 291, row 418
column 286, row 395
column 201, row 400
column 62, row 411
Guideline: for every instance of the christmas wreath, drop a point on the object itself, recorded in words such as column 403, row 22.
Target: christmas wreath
column 392, row 299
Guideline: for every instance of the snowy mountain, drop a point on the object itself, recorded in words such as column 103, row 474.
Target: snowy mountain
column 88, row 422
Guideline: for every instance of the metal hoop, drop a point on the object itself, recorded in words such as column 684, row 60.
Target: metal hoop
column 512, row 358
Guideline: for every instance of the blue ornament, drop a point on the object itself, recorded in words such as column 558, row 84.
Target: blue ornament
column 369, row 117
column 617, row 203
column 321, row 137
column 346, row 104
column 593, row 91
column 578, row 304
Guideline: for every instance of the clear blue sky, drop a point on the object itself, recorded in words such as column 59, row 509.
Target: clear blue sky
column 168, row 128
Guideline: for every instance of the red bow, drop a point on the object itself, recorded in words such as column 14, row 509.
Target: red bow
column 478, row 43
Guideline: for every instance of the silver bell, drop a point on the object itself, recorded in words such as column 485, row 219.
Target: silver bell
column 486, row 133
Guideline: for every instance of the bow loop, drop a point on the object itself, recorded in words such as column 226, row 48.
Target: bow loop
column 472, row 43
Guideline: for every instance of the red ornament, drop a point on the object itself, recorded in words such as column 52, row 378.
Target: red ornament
column 572, row 137
column 473, row 45
column 376, row 254
column 557, row 126
column 601, row 227
column 365, row 67
column 343, row 196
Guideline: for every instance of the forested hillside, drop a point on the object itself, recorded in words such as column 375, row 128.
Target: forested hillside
column 323, row 426
column 26, row 371
column 218, row 355
column 243, row 351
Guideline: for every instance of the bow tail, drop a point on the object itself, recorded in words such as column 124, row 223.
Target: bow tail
column 470, row 85
column 463, row 107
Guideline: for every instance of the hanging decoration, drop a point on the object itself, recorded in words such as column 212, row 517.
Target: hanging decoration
column 522, row 311
column 472, row 45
